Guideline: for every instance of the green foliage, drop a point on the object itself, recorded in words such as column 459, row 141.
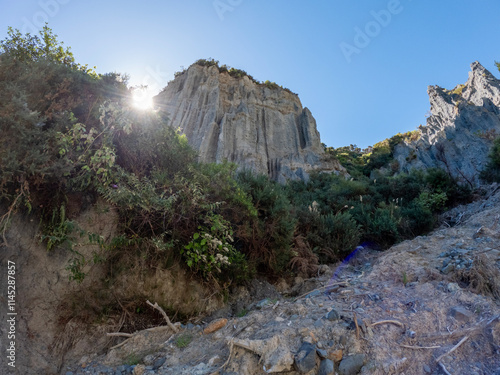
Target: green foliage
column 236, row 73
column 491, row 172
column 362, row 162
column 334, row 236
column 57, row 232
column 433, row 201
column 210, row 251
column 183, row 340
column 497, row 65
column 268, row 236
column 45, row 46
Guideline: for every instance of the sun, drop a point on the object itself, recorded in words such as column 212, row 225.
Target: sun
column 142, row 98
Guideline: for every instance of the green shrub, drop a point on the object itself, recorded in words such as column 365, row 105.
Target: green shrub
column 334, row 236
column 268, row 236
column 210, row 251
column 491, row 172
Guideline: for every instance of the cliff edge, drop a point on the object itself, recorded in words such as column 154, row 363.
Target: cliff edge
column 460, row 130
column 260, row 127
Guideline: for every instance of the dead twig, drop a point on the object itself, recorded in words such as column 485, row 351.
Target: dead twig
column 322, row 288
column 356, row 324
column 120, row 344
column 231, row 345
column 419, row 347
column 468, row 332
column 120, row 334
column 388, row 322
column 452, row 349
column 165, row 316
column 443, row 368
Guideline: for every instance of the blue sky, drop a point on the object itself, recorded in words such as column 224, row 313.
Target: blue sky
column 362, row 67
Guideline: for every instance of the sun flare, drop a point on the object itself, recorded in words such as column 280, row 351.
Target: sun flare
column 142, row 99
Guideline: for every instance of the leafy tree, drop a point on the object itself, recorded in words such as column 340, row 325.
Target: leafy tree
column 491, row 172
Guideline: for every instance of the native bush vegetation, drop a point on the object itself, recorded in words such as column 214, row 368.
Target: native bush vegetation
column 67, row 131
column 491, row 173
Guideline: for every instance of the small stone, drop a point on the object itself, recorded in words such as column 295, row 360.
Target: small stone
column 148, row 360
column 453, row 287
column 446, row 270
column 461, row 314
column 318, row 323
column 305, row 359
column 332, row 315
column 214, row 360
column 159, row 362
column 322, row 353
column 139, row 370
column 326, row 367
column 263, row 303
column 343, row 340
column 314, row 293
column 336, row 355
column 215, row 325
column 352, row 364
column 69, row 373
column 427, row 369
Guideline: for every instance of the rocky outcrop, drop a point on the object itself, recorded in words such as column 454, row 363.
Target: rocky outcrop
column 257, row 127
column 459, row 133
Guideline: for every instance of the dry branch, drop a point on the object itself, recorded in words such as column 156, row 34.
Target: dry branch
column 452, row 349
column 444, row 368
column 419, row 347
column 165, row 316
column 231, row 345
column 356, row 324
column 322, row 288
column 388, row 322
column 120, row 334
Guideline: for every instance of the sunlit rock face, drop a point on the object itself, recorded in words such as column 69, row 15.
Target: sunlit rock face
column 460, row 130
column 262, row 129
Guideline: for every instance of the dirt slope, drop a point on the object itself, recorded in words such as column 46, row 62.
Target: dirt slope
column 413, row 304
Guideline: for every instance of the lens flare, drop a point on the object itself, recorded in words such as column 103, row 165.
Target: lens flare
column 142, row 99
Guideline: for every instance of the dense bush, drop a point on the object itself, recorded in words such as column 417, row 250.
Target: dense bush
column 268, row 236
column 491, row 173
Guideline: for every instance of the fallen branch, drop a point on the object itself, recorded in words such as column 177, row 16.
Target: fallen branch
column 356, row 324
column 419, row 347
column 443, row 368
column 165, row 316
column 455, row 334
column 120, row 344
column 388, row 322
column 120, row 334
column 231, row 345
column 452, row 349
column 323, row 287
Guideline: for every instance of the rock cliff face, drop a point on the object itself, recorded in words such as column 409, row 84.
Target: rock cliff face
column 234, row 119
column 459, row 133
